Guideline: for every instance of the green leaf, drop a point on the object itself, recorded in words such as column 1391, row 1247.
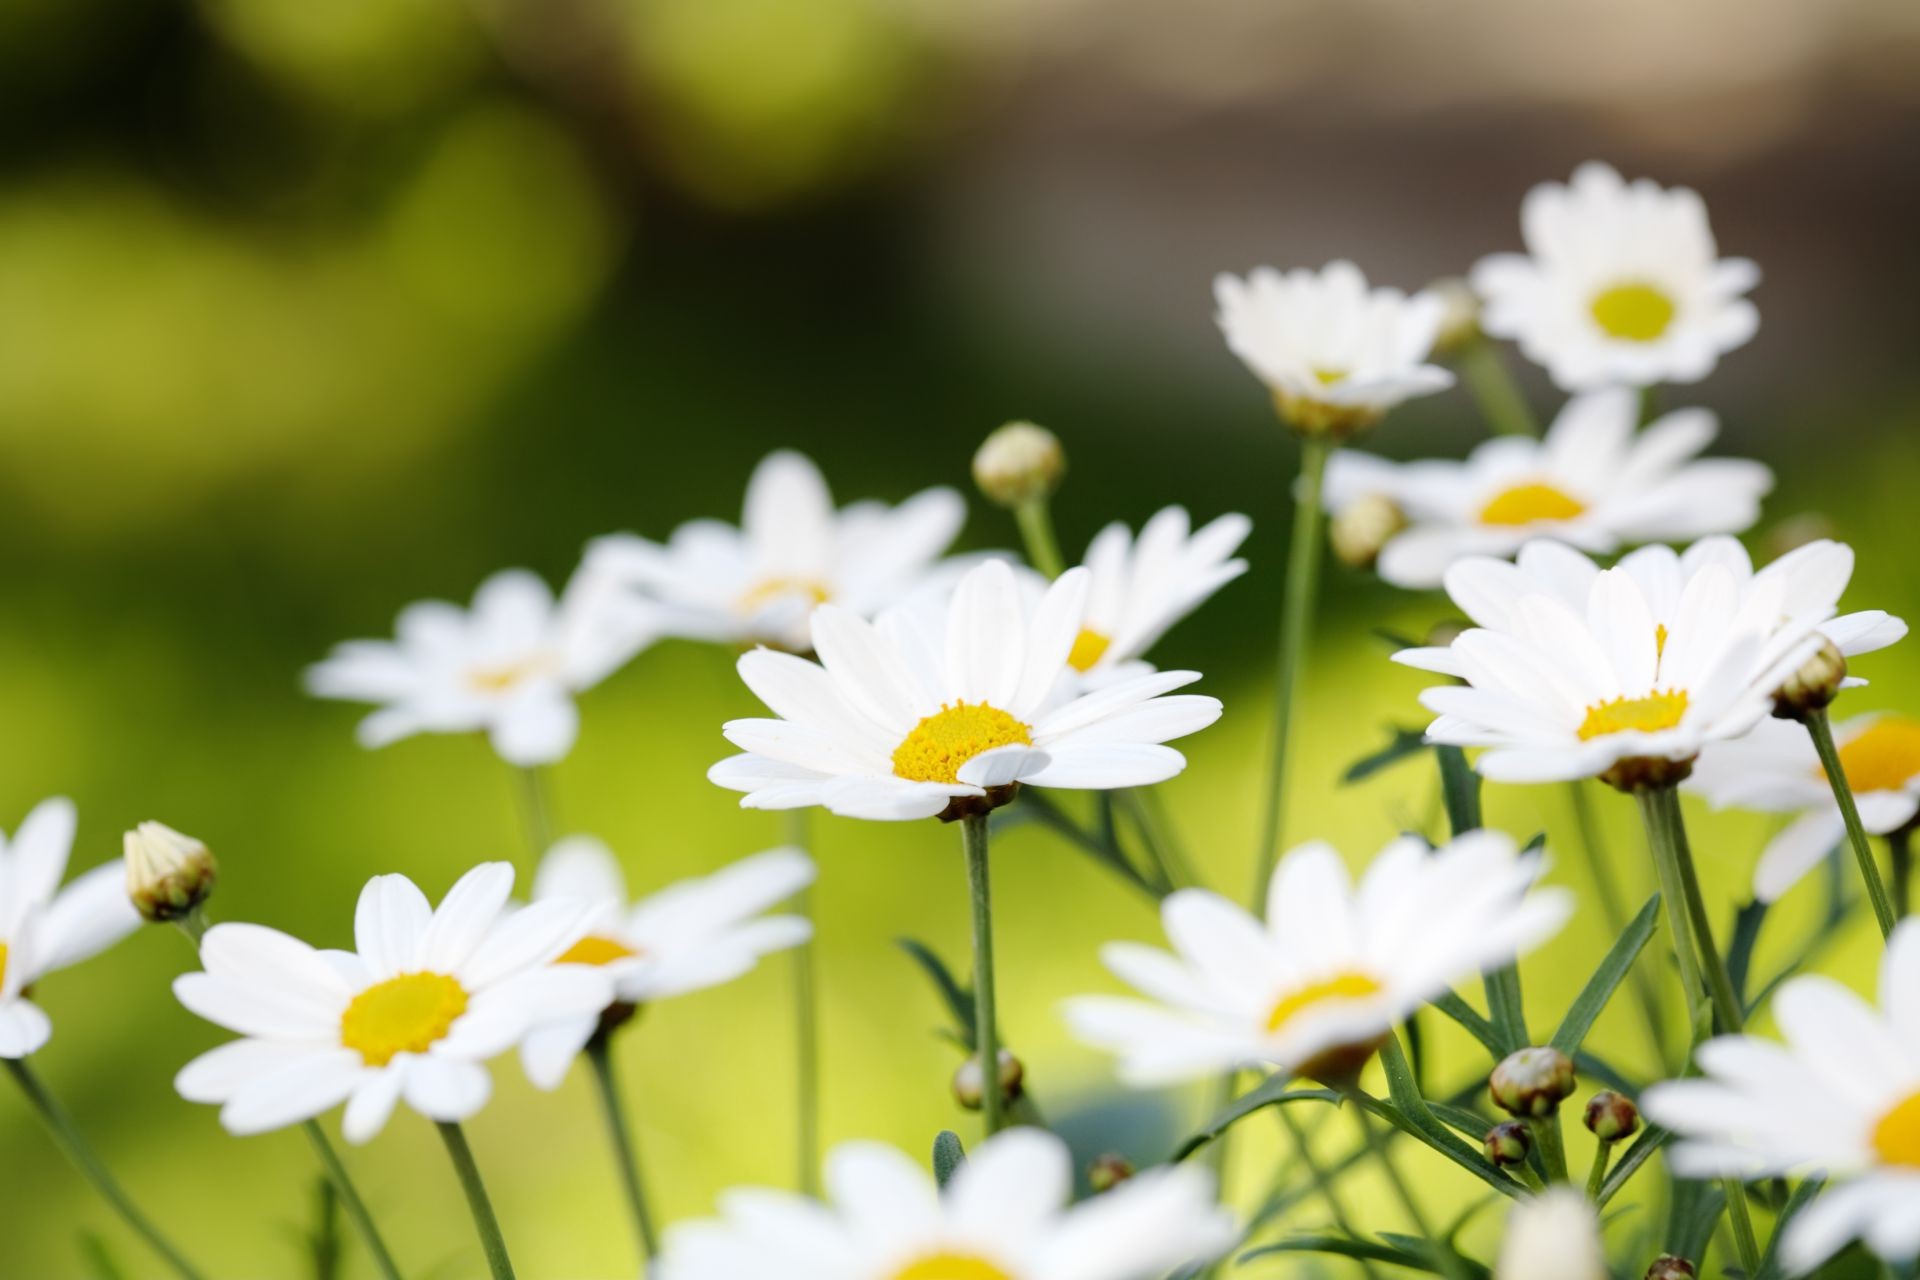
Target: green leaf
column 948, row 1156
column 1036, row 808
column 100, row 1262
column 1770, row 1268
column 1469, row 1017
column 1403, row 744
column 1272, row 1092
column 1411, row 1113
column 1697, row 1206
column 1606, row 979
column 1504, row 1002
column 1746, row 935
column 1460, row 787
column 957, row 998
column 1403, row 1251
column 1638, row 1152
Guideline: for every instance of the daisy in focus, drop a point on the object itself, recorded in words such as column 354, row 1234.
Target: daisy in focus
column 1335, row 354
column 44, row 927
column 1315, row 988
column 508, row 666
column 1600, row 688
column 692, row 935
column 1775, row 769
column 792, row 552
column 1005, row 1216
column 1841, row 1096
column 427, row 996
column 1595, row 482
column 1142, row 586
column 1621, row 284
column 940, row 709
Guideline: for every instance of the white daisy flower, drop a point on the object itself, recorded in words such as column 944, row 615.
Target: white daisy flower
column 1594, row 482
column 1005, row 1216
column 428, row 995
column 1841, row 1096
column 1775, row 769
column 925, row 707
column 1142, row 586
column 1621, row 284
column 1553, row 1234
column 793, row 551
column 44, row 927
column 1597, row 685
column 1335, row 354
column 509, row 666
column 1316, row 987
column 692, row 935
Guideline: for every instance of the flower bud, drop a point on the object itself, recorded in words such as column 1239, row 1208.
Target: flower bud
column 1109, row 1171
column 1813, row 685
column 966, row 1080
column 1018, row 464
column 1459, row 316
column 1507, row 1143
column 1532, row 1082
column 168, row 874
column 1612, row 1116
column 1668, row 1267
column 1363, row 528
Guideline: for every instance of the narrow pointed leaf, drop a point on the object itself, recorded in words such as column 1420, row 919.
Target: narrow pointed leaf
column 1606, row 979
column 958, row 999
column 1403, row 1251
column 1638, row 1152
column 948, row 1156
column 1770, row 1267
column 1405, row 743
column 1275, row 1091
column 1471, row 1018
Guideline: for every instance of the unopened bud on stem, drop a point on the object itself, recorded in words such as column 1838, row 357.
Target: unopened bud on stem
column 1459, row 316
column 1813, row 685
column 1612, row 1116
column 1669, row 1267
column 1507, row 1143
column 1532, row 1082
column 168, row 874
column 966, row 1081
column 1019, row 464
column 1109, row 1171
column 1360, row 531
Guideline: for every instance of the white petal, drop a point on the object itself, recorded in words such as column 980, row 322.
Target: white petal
column 446, row 1089
column 465, row 916
column 389, row 924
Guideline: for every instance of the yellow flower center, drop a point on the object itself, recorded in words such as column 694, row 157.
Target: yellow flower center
column 1327, row 377
column 1530, row 503
column 1884, row 758
column 1633, row 312
column 951, row 1266
column 1342, row 986
column 508, row 674
column 1088, row 648
column 3, row 962
column 595, row 949
column 401, row 1015
column 1896, row 1139
column 953, row 735
column 768, row 590
column 1658, row 710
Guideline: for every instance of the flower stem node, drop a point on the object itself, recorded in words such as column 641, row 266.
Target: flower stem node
column 168, row 874
column 1647, row 773
column 1109, row 1171
column 966, row 1081
column 1813, row 685
column 1612, row 1117
column 1508, row 1143
column 1321, row 419
column 1019, row 464
column 1532, row 1082
column 1459, row 316
column 1359, row 531
column 1669, row 1267
column 974, row 806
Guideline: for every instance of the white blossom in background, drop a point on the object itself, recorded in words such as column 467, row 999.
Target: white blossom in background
column 1552, row 1236
column 509, row 666
column 1596, row 481
column 1141, row 587
column 793, row 551
column 1621, row 285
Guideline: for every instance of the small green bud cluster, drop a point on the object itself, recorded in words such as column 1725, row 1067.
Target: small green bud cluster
column 1532, row 1082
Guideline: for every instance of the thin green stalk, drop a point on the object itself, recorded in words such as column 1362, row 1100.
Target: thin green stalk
column 1552, row 1148
column 1296, row 627
column 973, row 839
column 350, row 1200
column 536, row 809
column 66, row 1136
column 806, row 1031
column 1448, row 1260
column 492, row 1243
column 1491, row 383
column 600, row 1055
column 1036, row 530
column 1613, row 907
column 1900, row 850
column 1597, row 1176
column 1821, row 731
column 1317, row 1174
column 1168, row 859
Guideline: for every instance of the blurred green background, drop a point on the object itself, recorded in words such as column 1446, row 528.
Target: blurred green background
column 309, row 310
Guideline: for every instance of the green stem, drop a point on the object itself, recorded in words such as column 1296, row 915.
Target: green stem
column 973, row 838
column 536, row 809
column 492, row 1243
column 600, row 1054
column 1821, row 731
column 66, row 1135
column 1553, row 1150
column 806, row 1031
column 1448, row 1260
column 1597, row 1176
column 1296, row 626
column 1317, row 1173
column 356, row 1208
column 1493, row 388
column 1168, row 859
column 1646, row 990
column 1900, row 850
column 1036, row 531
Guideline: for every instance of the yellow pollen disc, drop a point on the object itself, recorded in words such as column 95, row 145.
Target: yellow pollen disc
column 594, row 949
column 1896, row 1139
column 1088, row 648
column 1344, row 986
column 951, row 1266
column 401, row 1015
column 502, row 678
column 1530, row 503
column 3, row 962
column 1658, row 710
column 764, row 593
column 1884, row 758
column 1633, row 312
column 953, row 735
column 1327, row 377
